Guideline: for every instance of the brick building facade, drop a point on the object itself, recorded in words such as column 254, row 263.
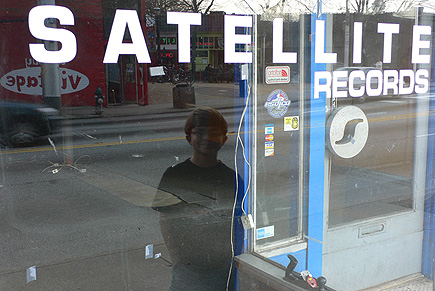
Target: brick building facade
column 20, row 74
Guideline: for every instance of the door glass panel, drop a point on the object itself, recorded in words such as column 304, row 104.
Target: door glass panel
column 277, row 139
column 378, row 180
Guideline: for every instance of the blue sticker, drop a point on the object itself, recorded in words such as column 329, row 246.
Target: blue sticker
column 265, row 232
column 269, row 129
column 261, row 233
column 277, row 103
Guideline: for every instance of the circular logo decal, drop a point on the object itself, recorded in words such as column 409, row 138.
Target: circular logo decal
column 277, row 103
column 269, row 137
column 347, row 131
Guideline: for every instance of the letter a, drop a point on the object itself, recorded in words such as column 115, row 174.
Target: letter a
column 115, row 46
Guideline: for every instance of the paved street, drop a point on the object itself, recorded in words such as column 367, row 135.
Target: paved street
column 79, row 210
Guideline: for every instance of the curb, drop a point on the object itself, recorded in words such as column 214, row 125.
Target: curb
column 128, row 111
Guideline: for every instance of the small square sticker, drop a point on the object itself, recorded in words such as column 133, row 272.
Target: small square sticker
column 265, row 232
column 269, row 145
column 269, row 129
column 291, row 123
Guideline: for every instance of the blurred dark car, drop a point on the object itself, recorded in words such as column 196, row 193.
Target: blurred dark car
column 21, row 124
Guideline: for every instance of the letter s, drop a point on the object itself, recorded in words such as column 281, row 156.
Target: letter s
column 421, row 81
column 37, row 28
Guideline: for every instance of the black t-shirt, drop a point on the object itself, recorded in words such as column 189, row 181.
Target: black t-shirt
column 197, row 228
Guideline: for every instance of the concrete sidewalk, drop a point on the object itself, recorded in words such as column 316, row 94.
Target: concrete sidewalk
column 160, row 100
column 414, row 282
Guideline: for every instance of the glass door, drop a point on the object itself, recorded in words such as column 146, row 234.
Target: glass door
column 278, row 136
column 375, row 197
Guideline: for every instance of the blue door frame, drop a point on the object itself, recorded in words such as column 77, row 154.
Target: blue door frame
column 429, row 205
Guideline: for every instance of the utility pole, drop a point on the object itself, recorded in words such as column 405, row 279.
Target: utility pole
column 346, row 36
column 50, row 76
column 319, row 8
column 156, row 20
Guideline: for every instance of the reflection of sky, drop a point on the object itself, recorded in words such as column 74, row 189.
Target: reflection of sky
column 309, row 6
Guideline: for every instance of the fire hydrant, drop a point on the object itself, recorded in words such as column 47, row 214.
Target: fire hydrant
column 99, row 100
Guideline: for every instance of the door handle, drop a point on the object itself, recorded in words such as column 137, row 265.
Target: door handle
column 370, row 230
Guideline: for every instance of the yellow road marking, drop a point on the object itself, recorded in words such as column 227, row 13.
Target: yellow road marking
column 46, row 149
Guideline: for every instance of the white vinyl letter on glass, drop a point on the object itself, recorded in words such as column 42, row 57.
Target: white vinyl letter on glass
column 184, row 20
column 357, row 42
column 324, row 86
column 418, row 44
column 37, row 28
column 421, row 81
column 388, row 29
column 115, row 46
column 357, row 92
column 278, row 55
column 231, row 39
column 320, row 55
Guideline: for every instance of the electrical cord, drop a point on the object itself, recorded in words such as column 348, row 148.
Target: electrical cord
column 58, row 166
column 239, row 140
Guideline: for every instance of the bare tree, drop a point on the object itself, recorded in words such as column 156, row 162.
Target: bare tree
column 406, row 5
column 202, row 6
column 270, row 10
column 162, row 6
column 360, row 6
column 381, row 6
column 378, row 6
column 309, row 8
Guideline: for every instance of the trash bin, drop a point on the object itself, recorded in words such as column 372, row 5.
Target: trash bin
column 183, row 96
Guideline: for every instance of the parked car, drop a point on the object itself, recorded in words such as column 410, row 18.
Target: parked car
column 21, row 124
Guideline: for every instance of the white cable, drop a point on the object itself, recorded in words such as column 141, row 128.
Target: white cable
column 58, row 166
column 238, row 139
column 249, row 178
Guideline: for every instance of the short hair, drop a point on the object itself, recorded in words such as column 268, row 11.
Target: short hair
column 206, row 117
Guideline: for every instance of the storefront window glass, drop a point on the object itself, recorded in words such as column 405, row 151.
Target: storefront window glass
column 151, row 146
column 278, row 196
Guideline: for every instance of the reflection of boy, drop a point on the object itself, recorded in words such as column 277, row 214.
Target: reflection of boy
column 196, row 220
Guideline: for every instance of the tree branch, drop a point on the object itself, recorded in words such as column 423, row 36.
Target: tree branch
column 306, row 7
column 209, row 7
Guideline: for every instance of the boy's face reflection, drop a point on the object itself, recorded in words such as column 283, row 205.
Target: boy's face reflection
column 206, row 140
